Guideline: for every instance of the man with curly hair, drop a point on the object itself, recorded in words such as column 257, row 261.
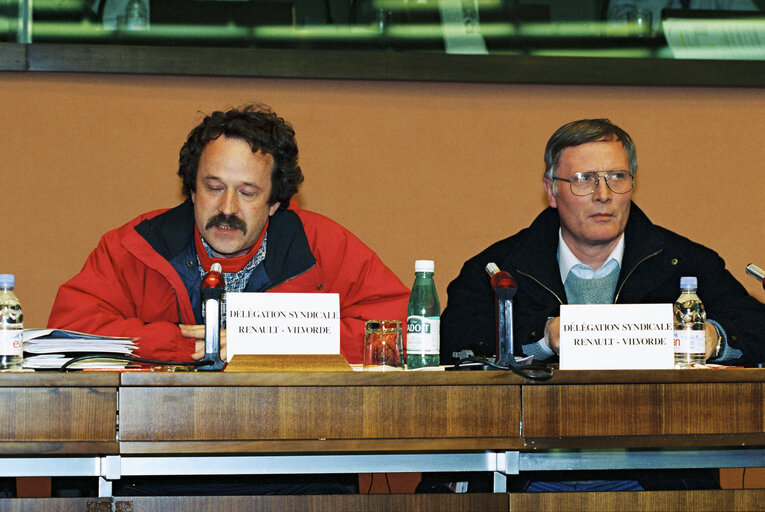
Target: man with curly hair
column 240, row 171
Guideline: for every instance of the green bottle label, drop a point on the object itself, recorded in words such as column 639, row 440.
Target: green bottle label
column 422, row 334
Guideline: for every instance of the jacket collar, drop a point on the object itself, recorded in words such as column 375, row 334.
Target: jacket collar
column 289, row 252
column 641, row 239
column 537, row 256
column 170, row 232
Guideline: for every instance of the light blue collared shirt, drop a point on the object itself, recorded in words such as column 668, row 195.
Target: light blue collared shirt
column 567, row 262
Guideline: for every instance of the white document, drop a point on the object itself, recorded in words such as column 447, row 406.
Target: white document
column 56, row 361
column 51, row 348
column 616, row 336
column 50, row 341
column 282, row 323
column 742, row 39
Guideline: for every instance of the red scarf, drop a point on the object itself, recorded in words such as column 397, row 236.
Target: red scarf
column 230, row 265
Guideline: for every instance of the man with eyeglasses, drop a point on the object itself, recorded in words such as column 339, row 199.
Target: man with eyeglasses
column 593, row 245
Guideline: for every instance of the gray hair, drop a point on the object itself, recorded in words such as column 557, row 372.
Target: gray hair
column 583, row 131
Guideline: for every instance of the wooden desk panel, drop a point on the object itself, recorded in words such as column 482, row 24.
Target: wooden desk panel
column 696, row 375
column 644, row 501
column 319, row 412
column 308, row 379
column 58, row 413
column 59, row 505
column 335, row 503
column 295, row 413
column 644, row 409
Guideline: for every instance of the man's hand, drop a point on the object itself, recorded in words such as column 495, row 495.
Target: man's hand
column 552, row 334
column 710, row 340
column 198, row 332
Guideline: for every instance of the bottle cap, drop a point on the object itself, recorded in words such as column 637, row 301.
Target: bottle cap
column 7, row 280
column 216, row 267
column 424, row 266
column 689, row 283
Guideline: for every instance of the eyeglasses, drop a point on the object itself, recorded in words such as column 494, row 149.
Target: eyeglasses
column 585, row 183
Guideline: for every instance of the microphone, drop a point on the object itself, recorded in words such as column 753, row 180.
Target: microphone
column 505, row 288
column 213, row 286
column 756, row 272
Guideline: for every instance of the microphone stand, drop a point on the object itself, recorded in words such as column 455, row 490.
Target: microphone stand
column 213, row 287
column 505, row 287
column 505, row 347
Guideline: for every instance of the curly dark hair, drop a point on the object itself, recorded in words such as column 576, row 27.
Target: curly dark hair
column 263, row 130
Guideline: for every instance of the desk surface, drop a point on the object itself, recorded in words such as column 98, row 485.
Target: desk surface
column 415, row 378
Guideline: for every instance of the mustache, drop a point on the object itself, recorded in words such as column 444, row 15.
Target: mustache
column 231, row 221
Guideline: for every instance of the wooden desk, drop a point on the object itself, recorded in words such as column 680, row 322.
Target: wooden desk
column 54, row 413
column 640, row 408
column 217, row 423
column 645, row 419
column 319, row 412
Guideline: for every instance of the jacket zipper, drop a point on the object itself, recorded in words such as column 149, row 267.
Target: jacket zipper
column 616, row 297
column 293, row 277
column 540, row 284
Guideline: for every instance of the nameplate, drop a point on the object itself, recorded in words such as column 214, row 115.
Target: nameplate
column 616, row 336
column 282, row 323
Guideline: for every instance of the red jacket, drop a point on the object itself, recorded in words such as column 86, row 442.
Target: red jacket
column 142, row 280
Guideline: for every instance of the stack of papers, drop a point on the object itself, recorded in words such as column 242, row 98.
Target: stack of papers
column 51, row 348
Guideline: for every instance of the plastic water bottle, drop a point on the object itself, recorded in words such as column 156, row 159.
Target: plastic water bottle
column 423, row 320
column 136, row 15
column 11, row 325
column 689, row 319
